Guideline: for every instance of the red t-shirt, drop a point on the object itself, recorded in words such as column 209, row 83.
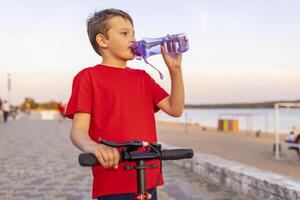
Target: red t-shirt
column 122, row 103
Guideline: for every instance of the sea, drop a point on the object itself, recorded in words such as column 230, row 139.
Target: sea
column 248, row 119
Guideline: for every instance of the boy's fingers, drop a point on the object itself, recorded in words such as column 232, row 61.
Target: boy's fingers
column 99, row 157
column 174, row 50
column 117, row 158
column 105, row 156
column 163, row 52
column 162, row 49
column 169, row 47
column 110, row 157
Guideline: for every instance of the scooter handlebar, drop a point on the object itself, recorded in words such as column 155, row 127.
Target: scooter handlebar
column 88, row 159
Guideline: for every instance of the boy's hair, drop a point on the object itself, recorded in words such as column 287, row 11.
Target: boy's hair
column 97, row 24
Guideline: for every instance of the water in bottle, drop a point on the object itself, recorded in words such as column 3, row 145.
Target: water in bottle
column 173, row 44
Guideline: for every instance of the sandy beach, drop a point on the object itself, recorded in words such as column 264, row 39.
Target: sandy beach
column 243, row 147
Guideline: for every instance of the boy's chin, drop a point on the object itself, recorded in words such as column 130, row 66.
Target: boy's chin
column 130, row 57
column 127, row 57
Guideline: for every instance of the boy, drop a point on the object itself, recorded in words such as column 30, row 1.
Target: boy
column 116, row 103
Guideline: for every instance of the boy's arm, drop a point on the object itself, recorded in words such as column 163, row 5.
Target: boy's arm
column 107, row 156
column 173, row 105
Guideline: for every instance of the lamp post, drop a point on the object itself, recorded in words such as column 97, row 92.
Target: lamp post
column 277, row 155
column 9, row 88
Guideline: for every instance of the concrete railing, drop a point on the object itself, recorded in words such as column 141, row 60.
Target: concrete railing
column 259, row 184
column 41, row 115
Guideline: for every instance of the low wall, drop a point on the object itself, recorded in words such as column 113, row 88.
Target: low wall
column 42, row 115
column 259, row 184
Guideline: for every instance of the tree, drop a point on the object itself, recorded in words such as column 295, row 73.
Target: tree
column 31, row 102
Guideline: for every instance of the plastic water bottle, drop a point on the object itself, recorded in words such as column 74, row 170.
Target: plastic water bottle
column 174, row 44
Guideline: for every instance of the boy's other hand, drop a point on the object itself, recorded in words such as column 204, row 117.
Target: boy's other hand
column 173, row 62
column 107, row 156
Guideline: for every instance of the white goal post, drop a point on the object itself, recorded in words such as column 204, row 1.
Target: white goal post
column 277, row 106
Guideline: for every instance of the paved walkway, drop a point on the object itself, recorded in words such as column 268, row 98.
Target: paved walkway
column 38, row 162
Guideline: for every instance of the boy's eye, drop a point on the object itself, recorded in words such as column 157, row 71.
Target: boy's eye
column 124, row 33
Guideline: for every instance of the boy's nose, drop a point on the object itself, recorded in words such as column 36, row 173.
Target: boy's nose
column 133, row 39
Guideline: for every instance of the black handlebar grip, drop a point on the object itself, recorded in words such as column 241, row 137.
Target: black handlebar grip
column 88, row 160
column 177, row 154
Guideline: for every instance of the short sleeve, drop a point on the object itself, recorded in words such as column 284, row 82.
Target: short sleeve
column 81, row 96
column 157, row 92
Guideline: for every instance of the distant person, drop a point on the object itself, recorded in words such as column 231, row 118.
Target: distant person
column 115, row 102
column 294, row 137
column 6, row 109
column 291, row 137
column 14, row 112
column 297, row 141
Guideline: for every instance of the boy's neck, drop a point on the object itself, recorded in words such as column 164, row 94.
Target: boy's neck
column 115, row 63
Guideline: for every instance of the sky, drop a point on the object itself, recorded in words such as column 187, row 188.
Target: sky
column 240, row 51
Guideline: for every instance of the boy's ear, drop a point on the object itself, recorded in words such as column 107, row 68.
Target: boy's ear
column 101, row 40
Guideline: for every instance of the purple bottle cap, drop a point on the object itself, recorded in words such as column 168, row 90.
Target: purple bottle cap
column 135, row 45
column 138, row 48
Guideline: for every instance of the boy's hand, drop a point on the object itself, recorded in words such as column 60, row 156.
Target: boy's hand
column 173, row 62
column 107, row 156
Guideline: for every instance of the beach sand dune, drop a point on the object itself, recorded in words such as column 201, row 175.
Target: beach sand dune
column 243, row 147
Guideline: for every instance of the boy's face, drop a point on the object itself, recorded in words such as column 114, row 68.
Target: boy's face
column 120, row 38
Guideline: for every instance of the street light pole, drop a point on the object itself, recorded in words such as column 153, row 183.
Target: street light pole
column 277, row 155
column 9, row 88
